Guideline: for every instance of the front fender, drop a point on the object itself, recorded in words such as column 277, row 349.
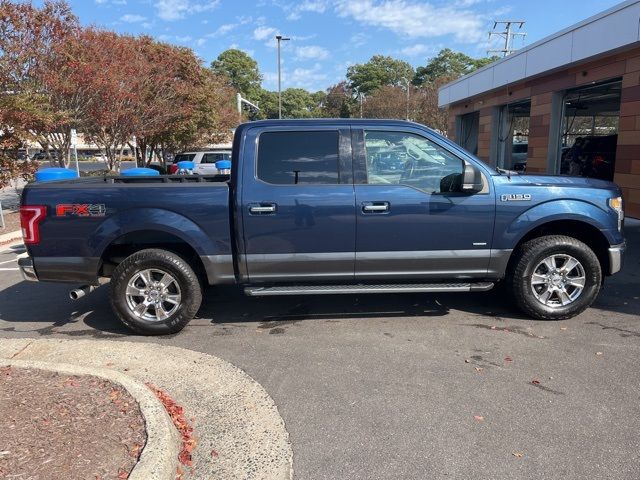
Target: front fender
column 555, row 210
column 140, row 219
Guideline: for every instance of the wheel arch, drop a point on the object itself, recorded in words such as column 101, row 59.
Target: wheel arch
column 581, row 230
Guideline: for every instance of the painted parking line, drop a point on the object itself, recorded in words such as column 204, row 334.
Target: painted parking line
column 9, row 261
column 9, row 269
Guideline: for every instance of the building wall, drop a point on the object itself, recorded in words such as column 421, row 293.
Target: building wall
column 541, row 92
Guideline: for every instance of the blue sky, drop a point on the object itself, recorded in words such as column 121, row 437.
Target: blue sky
column 329, row 35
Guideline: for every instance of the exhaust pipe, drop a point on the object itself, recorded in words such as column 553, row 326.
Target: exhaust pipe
column 80, row 292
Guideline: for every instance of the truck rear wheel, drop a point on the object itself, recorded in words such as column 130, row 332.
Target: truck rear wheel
column 554, row 277
column 155, row 292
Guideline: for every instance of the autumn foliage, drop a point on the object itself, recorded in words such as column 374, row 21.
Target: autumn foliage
column 56, row 75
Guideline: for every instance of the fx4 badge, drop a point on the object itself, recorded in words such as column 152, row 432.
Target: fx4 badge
column 516, row 197
column 81, row 210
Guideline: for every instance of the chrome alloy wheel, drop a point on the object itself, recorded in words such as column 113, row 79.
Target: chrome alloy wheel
column 153, row 295
column 558, row 280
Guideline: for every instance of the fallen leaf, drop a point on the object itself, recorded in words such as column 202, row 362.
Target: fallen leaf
column 122, row 474
column 214, row 454
column 535, row 381
column 479, row 418
column 563, row 328
column 518, row 454
column 508, row 359
column 109, row 364
column 599, row 353
column 493, row 327
column 479, row 369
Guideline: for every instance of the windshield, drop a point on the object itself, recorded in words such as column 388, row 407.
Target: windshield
column 184, row 157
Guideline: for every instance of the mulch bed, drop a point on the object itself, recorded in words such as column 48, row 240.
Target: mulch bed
column 55, row 426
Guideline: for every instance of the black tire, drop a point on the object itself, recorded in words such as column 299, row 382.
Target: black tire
column 530, row 255
column 185, row 285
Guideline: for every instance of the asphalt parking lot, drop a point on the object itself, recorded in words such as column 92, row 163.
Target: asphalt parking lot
column 409, row 386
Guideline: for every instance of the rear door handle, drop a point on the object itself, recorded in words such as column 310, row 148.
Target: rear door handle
column 262, row 208
column 375, row 207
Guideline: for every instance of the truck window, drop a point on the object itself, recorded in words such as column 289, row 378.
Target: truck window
column 400, row 158
column 214, row 157
column 290, row 158
column 184, row 157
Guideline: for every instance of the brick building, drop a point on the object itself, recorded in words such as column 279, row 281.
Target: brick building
column 568, row 104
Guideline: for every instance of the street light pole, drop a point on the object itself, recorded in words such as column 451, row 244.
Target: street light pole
column 280, row 38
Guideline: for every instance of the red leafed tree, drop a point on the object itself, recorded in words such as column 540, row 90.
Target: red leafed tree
column 31, row 106
column 107, row 69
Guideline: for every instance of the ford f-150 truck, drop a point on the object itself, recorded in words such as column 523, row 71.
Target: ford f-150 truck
column 327, row 207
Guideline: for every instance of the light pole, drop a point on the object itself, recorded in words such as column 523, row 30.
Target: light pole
column 280, row 38
column 408, row 86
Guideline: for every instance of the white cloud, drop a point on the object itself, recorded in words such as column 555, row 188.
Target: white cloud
column 201, row 41
column 358, row 39
column 132, row 18
column 311, row 52
column 262, row 33
column 222, row 30
column 315, row 6
column 417, row 50
column 415, row 20
column 312, row 79
column 176, row 9
column 114, row 2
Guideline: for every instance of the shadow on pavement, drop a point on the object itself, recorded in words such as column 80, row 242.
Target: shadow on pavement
column 49, row 304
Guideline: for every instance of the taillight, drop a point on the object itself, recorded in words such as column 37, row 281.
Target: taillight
column 173, row 169
column 30, row 217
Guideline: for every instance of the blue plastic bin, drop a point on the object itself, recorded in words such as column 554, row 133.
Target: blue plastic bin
column 186, row 165
column 139, row 172
column 55, row 173
column 224, row 167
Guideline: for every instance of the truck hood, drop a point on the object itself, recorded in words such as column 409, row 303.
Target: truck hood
column 563, row 181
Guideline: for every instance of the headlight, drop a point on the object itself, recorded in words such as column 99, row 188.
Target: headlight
column 616, row 204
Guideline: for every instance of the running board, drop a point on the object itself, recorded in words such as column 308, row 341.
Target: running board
column 388, row 288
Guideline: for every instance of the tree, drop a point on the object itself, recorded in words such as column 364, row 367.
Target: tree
column 450, row 65
column 241, row 70
column 35, row 100
column 377, row 72
column 339, row 102
column 296, row 103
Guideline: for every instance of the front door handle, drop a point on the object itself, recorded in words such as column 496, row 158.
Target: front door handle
column 263, row 208
column 375, row 207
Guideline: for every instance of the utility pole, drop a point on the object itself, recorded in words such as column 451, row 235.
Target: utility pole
column 280, row 38
column 507, row 34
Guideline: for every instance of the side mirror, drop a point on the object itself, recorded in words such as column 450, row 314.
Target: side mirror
column 471, row 179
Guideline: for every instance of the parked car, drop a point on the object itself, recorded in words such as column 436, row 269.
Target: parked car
column 590, row 156
column 304, row 214
column 43, row 157
column 205, row 161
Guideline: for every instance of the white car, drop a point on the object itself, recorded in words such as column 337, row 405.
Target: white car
column 205, row 161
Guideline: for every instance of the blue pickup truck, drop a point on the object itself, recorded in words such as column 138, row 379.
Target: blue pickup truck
column 327, row 207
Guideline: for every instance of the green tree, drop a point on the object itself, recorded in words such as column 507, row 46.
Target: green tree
column 379, row 71
column 241, row 70
column 449, row 64
column 339, row 102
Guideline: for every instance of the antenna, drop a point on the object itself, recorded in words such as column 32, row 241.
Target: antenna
column 507, row 34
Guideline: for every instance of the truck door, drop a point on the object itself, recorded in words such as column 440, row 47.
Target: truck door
column 298, row 204
column 410, row 224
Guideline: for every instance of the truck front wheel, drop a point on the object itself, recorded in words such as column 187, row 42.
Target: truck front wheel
column 554, row 277
column 155, row 292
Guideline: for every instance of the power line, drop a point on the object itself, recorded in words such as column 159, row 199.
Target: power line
column 508, row 35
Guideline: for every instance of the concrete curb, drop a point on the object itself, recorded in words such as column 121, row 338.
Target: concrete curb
column 159, row 457
column 15, row 235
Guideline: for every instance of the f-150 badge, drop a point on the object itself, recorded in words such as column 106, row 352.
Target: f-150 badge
column 516, row 197
column 81, row 210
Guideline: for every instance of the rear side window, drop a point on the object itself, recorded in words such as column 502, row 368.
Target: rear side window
column 184, row 157
column 215, row 157
column 291, row 158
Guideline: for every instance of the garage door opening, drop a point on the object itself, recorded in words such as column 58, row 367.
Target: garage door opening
column 513, row 136
column 590, row 130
